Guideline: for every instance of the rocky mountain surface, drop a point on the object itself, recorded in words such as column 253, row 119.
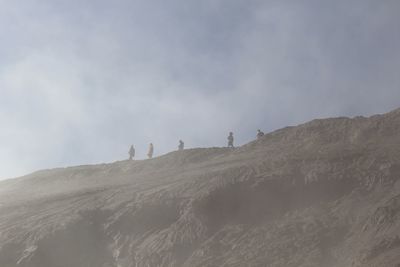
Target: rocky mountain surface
column 324, row 194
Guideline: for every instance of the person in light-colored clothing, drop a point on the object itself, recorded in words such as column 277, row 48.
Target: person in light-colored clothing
column 151, row 151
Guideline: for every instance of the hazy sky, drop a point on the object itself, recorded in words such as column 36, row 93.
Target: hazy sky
column 80, row 81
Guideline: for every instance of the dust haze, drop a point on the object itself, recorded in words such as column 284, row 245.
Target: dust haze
column 80, row 81
column 199, row 133
column 324, row 193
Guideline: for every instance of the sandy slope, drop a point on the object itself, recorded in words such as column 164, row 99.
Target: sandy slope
column 325, row 193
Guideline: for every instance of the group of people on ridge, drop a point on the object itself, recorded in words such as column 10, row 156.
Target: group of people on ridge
column 149, row 153
column 181, row 145
column 230, row 137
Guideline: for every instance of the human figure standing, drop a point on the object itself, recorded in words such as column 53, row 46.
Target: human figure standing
column 151, row 151
column 181, row 145
column 259, row 134
column 230, row 140
column 131, row 152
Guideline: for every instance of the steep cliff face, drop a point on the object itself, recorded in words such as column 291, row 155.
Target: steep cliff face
column 325, row 193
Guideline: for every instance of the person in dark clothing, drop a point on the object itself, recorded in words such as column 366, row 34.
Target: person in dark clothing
column 151, row 151
column 230, row 140
column 259, row 134
column 181, row 145
column 131, row 152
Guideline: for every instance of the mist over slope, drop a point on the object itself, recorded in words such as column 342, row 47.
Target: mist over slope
column 325, row 193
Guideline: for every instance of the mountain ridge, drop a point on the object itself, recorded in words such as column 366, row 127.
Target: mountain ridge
column 323, row 193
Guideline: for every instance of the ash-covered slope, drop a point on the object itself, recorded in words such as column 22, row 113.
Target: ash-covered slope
column 325, row 193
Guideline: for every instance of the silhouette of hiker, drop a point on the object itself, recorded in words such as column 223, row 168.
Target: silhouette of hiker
column 230, row 140
column 131, row 152
column 151, row 151
column 259, row 134
column 181, row 145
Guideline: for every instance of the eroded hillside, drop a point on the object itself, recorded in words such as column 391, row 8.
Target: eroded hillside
column 325, row 193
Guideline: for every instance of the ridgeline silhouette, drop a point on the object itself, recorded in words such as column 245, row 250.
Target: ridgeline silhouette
column 324, row 194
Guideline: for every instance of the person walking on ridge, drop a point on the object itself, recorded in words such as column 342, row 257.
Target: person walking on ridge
column 131, row 152
column 259, row 134
column 230, row 140
column 181, row 145
column 151, row 151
